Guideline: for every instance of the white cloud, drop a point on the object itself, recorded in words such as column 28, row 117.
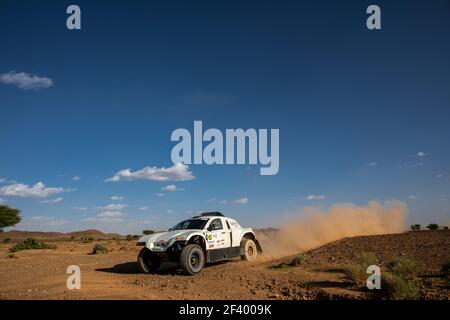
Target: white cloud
column 211, row 200
column 372, row 164
column 113, row 207
column 315, row 197
column 413, row 165
column 76, row 178
column 160, row 194
column 80, row 208
column 171, row 187
column 412, row 197
column 2, row 180
column 40, row 223
column 439, row 176
column 241, row 201
column 143, row 208
column 52, row 201
column 39, row 190
column 169, row 211
column 178, row 172
column 110, row 214
column 117, row 198
column 107, row 217
column 2, row 200
column 421, row 154
column 104, row 219
column 26, row 81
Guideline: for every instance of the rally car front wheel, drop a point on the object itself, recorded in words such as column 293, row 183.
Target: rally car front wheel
column 192, row 259
column 248, row 250
column 148, row 262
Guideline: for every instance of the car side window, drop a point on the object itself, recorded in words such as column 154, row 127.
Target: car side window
column 216, row 224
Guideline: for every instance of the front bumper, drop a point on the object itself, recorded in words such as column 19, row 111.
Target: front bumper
column 170, row 253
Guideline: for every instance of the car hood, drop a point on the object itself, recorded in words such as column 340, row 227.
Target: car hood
column 167, row 235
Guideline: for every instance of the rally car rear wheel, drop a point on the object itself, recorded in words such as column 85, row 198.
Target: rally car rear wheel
column 148, row 262
column 192, row 259
column 249, row 250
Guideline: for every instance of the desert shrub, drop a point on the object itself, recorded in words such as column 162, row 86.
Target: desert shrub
column 415, row 227
column 11, row 255
column 296, row 261
column 129, row 237
column 72, row 238
column 432, row 226
column 99, row 248
column 445, row 227
column 7, row 240
column 31, row 243
column 136, row 237
column 366, row 259
column 398, row 282
column 358, row 272
column 147, row 232
column 402, row 267
column 397, row 288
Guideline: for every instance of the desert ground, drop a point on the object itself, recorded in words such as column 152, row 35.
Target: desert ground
column 41, row 274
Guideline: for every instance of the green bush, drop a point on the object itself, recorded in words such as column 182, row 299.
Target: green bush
column 433, row 226
column 403, row 267
column 397, row 282
column 31, row 243
column 99, row 248
column 415, row 227
column 129, row 237
column 397, row 288
column 296, row 261
column 358, row 272
column 7, row 240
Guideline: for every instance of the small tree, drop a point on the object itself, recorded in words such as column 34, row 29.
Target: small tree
column 129, row 237
column 415, row 227
column 147, row 232
column 433, row 226
column 8, row 217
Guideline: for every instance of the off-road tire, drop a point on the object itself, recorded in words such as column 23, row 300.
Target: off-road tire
column 249, row 252
column 148, row 262
column 192, row 259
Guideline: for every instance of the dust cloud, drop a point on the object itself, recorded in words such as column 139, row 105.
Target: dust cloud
column 313, row 227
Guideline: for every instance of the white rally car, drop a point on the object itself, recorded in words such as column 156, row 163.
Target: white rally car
column 209, row 237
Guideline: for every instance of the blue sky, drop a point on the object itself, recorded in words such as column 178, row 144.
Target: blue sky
column 363, row 115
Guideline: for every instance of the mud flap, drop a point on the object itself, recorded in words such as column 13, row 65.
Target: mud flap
column 258, row 246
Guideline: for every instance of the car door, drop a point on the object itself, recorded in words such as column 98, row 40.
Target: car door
column 218, row 235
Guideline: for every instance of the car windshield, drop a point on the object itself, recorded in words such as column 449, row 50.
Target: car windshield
column 198, row 224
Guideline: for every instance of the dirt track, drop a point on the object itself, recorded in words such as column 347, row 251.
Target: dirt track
column 40, row 274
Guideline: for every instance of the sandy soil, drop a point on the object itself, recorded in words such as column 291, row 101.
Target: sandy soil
column 41, row 274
